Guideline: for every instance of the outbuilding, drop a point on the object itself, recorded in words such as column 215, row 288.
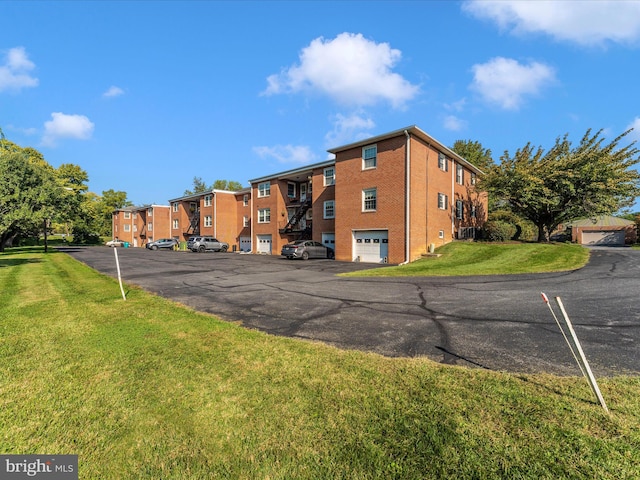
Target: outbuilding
column 603, row 230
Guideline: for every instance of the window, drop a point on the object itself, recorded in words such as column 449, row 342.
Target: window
column 441, row 234
column 459, row 210
column 473, row 178
column 291, row 190
column 176, row 224
column 135, row 228
column 264, row 215
column 443, row 201
column 245, row 200
column 443, row 162
column 369, row 157
column 459, row 174
column 127, row 227
column 369, row 199
column 207, row 200
column 207, row 221
column 330, row 209
column 150, row 226
column 150, row 212
column 245, row 221
column 329, row 176
column 264, row 189
column 175, row 206
column 127, row 215
column 473, row 211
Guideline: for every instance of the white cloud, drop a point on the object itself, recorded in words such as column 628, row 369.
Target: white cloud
column 113, row 91
column 14, row 74
column 635, row 134
column 593, row 22
column 66, row 126
column 348, row 129
column 296, row 154
column 506, row 83
column 453, row 123
column 349, row 69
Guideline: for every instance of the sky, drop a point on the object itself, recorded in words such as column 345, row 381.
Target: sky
column 146, row 95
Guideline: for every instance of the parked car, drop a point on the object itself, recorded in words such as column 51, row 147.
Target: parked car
column 168, row 243
column 202, row 244
column 114, row 243
column 306, row 249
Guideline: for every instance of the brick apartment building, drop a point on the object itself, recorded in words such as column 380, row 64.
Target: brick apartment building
column 384, row 199
column 141, row 225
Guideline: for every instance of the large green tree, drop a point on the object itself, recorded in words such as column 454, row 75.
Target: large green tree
column 566, row 182
column 473, row 152
column 200, row 186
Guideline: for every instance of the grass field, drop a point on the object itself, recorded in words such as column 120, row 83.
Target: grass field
column 471, row 258
column 146, row 389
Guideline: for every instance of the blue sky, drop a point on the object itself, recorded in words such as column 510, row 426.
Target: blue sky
column 147, row 95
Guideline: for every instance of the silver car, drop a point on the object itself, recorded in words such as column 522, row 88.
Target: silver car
column 306, row 249
column 202, row 244
column 167, row 243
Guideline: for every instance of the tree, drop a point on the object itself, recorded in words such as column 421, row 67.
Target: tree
column 474, row 153
column 198, row 187
column 227, row 185
column 110, row 201
column 29, row 194
column 566, row 183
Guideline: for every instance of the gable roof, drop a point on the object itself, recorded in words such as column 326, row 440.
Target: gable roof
column 601, row 221
column 413, row 130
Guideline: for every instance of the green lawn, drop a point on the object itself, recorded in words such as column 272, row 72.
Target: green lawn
column 146, row 389
column 469, row 258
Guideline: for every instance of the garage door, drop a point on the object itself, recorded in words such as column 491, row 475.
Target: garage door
column 371, row 246
column 264, row 244
column 611, row 237
column 329, row 240
column 245, row 244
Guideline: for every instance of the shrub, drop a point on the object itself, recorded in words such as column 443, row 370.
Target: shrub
column 499, row 231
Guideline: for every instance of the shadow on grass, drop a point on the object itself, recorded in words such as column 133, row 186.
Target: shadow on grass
column 12, row 262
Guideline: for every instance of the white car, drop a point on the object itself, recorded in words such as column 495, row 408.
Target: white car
column 114, row 243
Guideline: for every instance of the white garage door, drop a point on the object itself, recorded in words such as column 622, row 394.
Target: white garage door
column 611, row 237
column 329, row 240
column 264, row 244
column 245, row 244
column 371, row 246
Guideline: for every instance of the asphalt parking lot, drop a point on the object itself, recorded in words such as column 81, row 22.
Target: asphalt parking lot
column 493, row 322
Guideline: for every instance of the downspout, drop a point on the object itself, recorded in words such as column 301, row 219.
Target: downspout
column 407, row 219
column 454, row 167
column 253, row 243
column 215, row 215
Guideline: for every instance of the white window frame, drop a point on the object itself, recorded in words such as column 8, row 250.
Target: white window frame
column 369, row 196
column 369, row 161
column 443, row 162
column 443, row 201
column 207, row 200
column 291, row 194
column 208, row 220
column 150, row 212
column 127, row 227
column 245, row 200
column 245, row 221
column 264, row 189
column 473, row 178
column 175, row 206
column 459, row 174
column 264, row 215
column 329, row 209
column 150, row 227
column 127, row 215
column 329, row 176
column 176, row 224
column 473, row 211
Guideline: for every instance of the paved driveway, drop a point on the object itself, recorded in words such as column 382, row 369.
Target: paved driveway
column 493, row 322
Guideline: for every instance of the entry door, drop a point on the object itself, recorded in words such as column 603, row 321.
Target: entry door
column 303, row 192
